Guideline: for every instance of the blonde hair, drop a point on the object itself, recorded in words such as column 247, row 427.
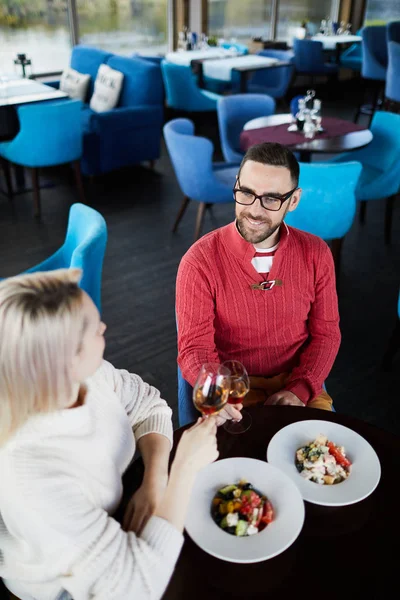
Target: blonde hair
column 41, row 329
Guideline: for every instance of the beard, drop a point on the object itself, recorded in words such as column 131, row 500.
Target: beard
column 261, row 234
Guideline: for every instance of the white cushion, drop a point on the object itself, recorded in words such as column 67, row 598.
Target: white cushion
column 107, row 89
column 74, row 84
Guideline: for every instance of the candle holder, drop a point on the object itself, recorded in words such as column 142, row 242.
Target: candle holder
column 24, row 62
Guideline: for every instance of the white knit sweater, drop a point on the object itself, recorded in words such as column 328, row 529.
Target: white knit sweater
column 60, row 480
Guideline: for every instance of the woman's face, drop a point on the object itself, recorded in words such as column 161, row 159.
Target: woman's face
column 90, row 354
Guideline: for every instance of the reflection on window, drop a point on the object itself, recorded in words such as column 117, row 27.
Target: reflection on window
column 239, row 19
column 37, row 28
column 124, row 26
column 293, row 12
column 382, row 11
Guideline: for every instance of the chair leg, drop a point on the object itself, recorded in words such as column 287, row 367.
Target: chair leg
column 199, row 220
column 393, row 347
column 337, row 244
column 363, row 210
column 388, row 218
column 181, row 212
column 78, row 181
column 36, row 192
column 7, row 175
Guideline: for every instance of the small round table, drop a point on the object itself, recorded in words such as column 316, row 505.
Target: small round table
column 333, row 145
column 344, row 552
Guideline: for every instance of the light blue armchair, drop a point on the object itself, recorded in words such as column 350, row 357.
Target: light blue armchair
column 182, row 91
column 198, row 177
column 392, row 90
column 50, row 134
column 233, row 112
column 83, row 248
column 380, row 161
column 328, row 202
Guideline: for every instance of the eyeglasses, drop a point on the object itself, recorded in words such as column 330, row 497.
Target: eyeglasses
column 268, row 201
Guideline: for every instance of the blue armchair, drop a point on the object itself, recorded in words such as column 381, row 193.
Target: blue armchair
column 392, row 90
column 198, row 177
column 375, row 54
column 131, row 132
column 380, row 161
column 328, row 202
column 352, row 58
column 233, row 112
column 182, row 91
column 83, row 248
column 274, row 82
column 309, row 59
column 50, row 134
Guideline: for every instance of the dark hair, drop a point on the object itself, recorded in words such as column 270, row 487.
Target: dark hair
column 270, row 153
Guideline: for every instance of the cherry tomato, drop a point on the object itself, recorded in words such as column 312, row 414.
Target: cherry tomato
column 340, row 459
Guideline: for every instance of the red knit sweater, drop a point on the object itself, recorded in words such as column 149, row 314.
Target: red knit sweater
column 293, row 327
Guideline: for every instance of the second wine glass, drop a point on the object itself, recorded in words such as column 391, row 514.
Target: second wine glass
column 239, row 387
column 211, row 390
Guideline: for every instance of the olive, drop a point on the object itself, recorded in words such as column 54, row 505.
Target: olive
column 230, row 495
column 231, row 530
column 247, row 486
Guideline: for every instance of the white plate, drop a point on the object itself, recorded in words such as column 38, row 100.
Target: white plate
column 274, row 539
column 365, row 470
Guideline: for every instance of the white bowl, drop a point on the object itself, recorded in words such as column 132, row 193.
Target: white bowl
column 365, row 470
column 275, row 538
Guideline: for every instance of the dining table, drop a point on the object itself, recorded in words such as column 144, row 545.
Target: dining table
column 337, row 42
column 338, row 136
column 341, row 552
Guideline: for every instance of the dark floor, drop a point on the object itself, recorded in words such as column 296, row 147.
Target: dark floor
column 142, row 258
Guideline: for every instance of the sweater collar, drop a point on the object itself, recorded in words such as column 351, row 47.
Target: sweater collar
column 242, row 249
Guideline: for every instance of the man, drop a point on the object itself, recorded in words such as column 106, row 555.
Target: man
column 261, row 292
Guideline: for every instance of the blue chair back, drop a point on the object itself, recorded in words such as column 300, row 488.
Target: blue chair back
column 233, row 112
column 50, row 134
column 375, row 53
column 392, row 90
column 328, row 202
column 393, row 31
column 275, row 81
column 308, row 56
column 240, row 48
column 181, row 89
column 83, row 248
column 87, row 60
column 142, row 84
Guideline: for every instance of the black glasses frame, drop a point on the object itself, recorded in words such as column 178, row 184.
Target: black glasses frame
column 282, row 198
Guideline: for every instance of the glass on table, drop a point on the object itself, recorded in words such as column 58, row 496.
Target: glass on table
column 211, row 390
column 239, row 387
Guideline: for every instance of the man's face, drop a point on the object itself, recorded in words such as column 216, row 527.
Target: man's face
column 255, row 223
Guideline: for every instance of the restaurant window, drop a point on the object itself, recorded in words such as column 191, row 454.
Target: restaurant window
column 37, row 28
column 292, row 13
column 381, row 11
column 239, row 20
column 124, row 26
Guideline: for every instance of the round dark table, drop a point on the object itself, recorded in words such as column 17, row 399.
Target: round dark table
column 335, row 145
column 344, row 552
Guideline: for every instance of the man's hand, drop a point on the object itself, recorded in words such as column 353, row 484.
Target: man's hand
column 143, row 503
column 230, row 411
column 284, row 398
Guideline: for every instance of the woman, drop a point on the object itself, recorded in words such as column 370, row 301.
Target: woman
column 69, row 424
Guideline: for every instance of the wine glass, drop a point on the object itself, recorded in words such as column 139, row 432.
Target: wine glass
column 211, row 390
column 239, row 387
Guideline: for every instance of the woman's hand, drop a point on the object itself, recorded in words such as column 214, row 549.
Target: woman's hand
column 144, row 502
column 198, row 446
column 229, row 412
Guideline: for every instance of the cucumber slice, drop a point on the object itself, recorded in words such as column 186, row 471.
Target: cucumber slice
column 241, row 528
column 224, row 523
column 228, row 488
